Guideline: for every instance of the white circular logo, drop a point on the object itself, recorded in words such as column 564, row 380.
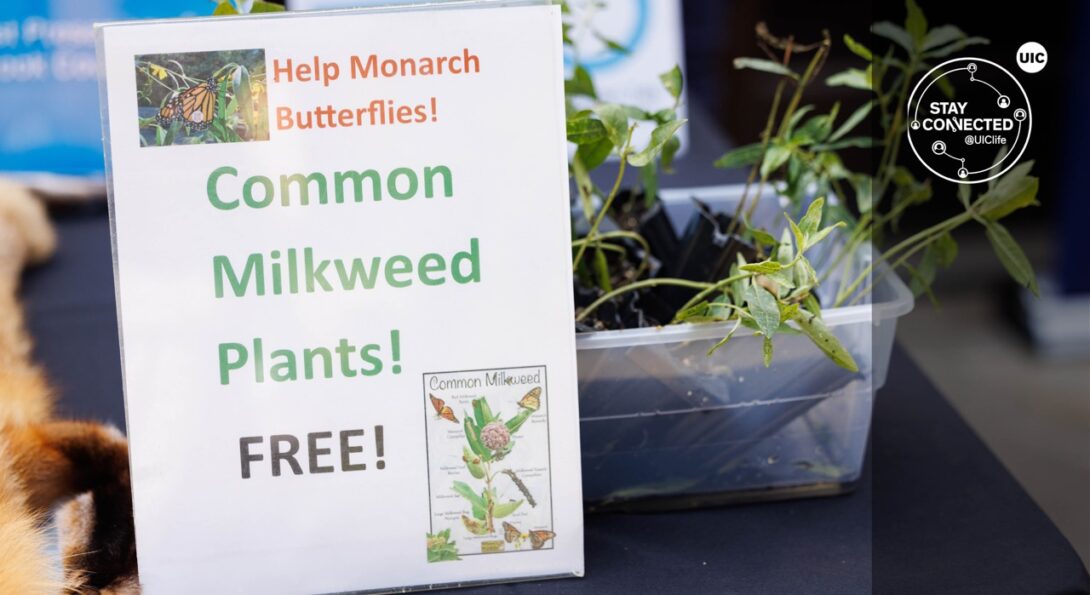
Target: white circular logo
column 975, row 134
column 1032, row 57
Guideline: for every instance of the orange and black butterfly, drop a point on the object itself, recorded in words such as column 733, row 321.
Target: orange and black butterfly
column 195, row 107
column 538, row 538
column 532, row 400
column 511, row 534
column 442, row 409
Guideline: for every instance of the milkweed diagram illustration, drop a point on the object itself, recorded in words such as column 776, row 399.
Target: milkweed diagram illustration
column 202, row 97
column 488, row 463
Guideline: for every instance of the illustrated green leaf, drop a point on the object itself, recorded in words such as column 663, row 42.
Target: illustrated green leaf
column 516, row 422
column 504, row 509
column 826, row 341
column 764, row 309
column 764, row 66
column 857, row 48
column 853, row 120
column 744, row 155
column 469, row 493
column 224, row 8
column 659, row 136
column 261, row 6
column 1011, row 256
column 673, row 81
column 473, row 463
column 482, row 413
column 473, row 437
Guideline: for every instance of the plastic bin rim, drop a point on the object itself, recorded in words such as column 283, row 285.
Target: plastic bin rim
column 901, row 303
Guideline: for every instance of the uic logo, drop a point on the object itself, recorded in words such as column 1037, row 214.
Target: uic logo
column 1032, row 57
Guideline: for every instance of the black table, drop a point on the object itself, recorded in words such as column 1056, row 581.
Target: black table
column 935, row 511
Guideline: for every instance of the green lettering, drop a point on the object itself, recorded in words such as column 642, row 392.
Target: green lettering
column 228, row 364
column 391, row 183
column 398, row 265
column 221, row 267
column 429, row 179
column 213, row 190
column 473, row 257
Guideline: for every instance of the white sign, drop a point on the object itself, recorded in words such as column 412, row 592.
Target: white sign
column 343, row 271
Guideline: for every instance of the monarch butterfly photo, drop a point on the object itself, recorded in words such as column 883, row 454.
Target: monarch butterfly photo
column 202, row 97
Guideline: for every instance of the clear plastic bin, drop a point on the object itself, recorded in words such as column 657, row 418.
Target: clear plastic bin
column 663, row 425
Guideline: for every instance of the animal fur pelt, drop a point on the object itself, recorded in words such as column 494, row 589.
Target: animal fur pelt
column 78, row 469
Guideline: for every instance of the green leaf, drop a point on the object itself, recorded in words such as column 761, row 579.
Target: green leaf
column 673, row 81
column 1008, row 197
column 470, row 494
column 860, row 142
column 761, row 236
column 580, row 83
column 594, row 154
column 473, row 463
column 853, row 120
column 516, row 422
column 826, row 341
column 895, row 34
column 669, row 151
column 946, row 250
column 941, row 35
column 482, row 413
column 763, row 268
column 240, row 82
column 915, row 22
column 864, row 192
column 852, row 77
column 815, row 129
column 764, row 309
column 725, row 339
column 776, row 156
column 811, row 221
column 260, row 6
column 659, row 136
column 857, row 48
column 797, row 117
column 649, row 179
column 965, row 194
column 1011, row 255
column 766, row 351
column 224, row 8
column 615, row 121
column 764, row 66
column 957, row 46
column 473, row 437
column 586, row 131
column 745, row 155
column 613, row 45
column 504, row 509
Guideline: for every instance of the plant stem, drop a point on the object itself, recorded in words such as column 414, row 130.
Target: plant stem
column 936, row 229
column 712, row 288
column 592, row 235
column 638, row 285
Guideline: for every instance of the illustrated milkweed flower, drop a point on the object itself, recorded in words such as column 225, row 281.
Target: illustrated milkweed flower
column 495, row 436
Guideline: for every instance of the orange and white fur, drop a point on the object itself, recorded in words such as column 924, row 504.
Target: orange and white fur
column 77, row 470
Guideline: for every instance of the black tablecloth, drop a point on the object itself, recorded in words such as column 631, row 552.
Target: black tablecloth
column 935, row 511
